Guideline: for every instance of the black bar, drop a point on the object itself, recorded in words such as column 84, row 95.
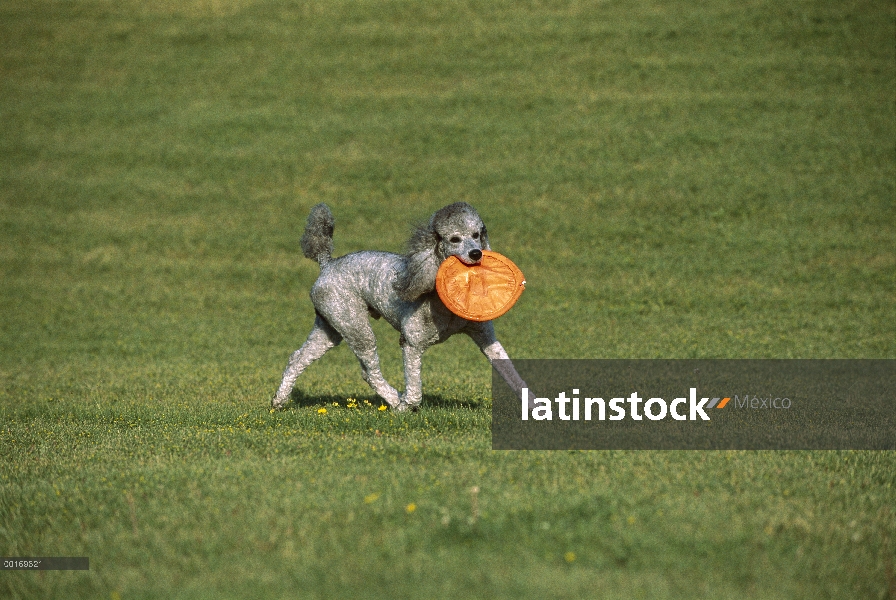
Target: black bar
column 697, row 404
column 45, row 563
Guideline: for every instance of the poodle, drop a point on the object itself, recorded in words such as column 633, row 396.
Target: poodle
column 398, row 288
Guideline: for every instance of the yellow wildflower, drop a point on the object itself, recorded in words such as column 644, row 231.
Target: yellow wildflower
column 321, row 411
column 411, row 508
column 570, row 557
column 382, row 407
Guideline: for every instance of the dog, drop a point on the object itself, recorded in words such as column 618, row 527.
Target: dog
column 399, row 288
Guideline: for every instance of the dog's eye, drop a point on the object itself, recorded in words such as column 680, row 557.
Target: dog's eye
column 476, row 236
column 455, row 240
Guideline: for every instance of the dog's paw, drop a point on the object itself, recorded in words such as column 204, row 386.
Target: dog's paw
column 279, row 403
column 404, row 406
column 412, row 403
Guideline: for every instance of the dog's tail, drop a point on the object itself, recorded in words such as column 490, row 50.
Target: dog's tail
column 317, row 242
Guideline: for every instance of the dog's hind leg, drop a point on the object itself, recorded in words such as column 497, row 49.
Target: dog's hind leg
column 413, row 385
column 322, row 338
column 362, row 341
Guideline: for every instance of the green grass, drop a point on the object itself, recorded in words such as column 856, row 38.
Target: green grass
column 675, row 179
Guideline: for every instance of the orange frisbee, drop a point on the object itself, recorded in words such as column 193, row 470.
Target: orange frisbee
column 480, row 292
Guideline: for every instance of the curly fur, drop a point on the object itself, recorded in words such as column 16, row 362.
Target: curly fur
column 399, row 288
column 421, row 264
column 317, row 242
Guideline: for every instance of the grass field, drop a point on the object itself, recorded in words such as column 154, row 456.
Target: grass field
column 676, row 179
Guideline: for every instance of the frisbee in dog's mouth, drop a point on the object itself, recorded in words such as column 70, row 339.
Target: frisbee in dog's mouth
column 480, row 292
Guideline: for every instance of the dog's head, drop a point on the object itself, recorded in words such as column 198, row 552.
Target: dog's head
column 459, row 232
column 455, row 230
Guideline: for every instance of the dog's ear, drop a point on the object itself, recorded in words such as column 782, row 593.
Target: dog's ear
column 483, row 238
column 421, row 263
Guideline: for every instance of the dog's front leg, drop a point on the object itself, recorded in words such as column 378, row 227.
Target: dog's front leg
column 484, row 336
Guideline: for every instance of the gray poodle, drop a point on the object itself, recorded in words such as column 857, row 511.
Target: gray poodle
column 399, row 288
